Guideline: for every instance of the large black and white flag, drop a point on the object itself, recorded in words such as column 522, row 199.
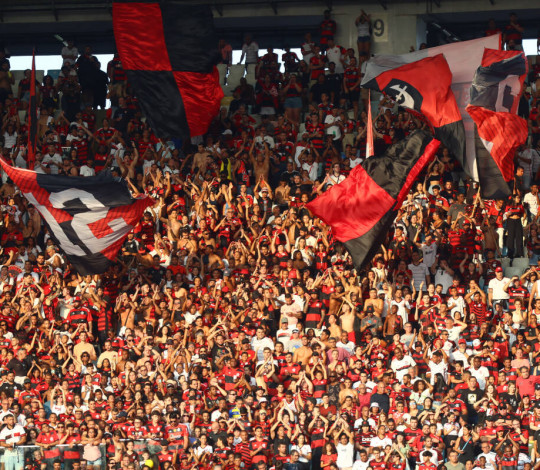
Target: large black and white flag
column 87, row 217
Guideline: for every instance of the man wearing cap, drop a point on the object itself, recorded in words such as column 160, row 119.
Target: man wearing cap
column 496, row 292
column 11, row 436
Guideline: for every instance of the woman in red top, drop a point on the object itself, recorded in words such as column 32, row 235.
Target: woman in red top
column 329, row 455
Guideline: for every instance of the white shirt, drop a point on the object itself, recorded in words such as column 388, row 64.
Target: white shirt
column 334, row 130
column 345, row 455
column 251, row 52
column 497, row 288
column 258, row 346
column 458, row 305
column 429, row 253
column 14, row 435
column 312, row 169
column 376, row 442
column 444, row 278
column 401, row 368
column 491, row 460
column 532, row 201
column 87, row 171
column 440, row 368
column 334, row 55
column 481, row 374
column 433, row 459
column 355, row 162
column 52, row 161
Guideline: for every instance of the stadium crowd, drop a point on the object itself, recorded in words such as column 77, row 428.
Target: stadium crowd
column 233, row 332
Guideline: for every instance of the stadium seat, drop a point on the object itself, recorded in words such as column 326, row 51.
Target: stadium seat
column 505, row 262
column 236, row 72
column 22, row 116
column 39, row 75
column 222, row 69
column 18, row 74
column 301, row 129
column 227, row 90
column 513, row 271
column 251, row 69
column 251, row 79
column 522, row 263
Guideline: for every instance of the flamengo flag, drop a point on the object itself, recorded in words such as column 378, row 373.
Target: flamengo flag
column 463, row 59
column 369, row 133
column 87, row 217
column 169, row 52
column 32, row 117
column 495, row 93
column 361, row 208
column 424, row 86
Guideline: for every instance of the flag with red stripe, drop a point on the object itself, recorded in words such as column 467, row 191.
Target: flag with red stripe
column 169, row 52
column 425, row 86
column 32, row 117
column 88, row 218
column 361, row 209
column 495, row 93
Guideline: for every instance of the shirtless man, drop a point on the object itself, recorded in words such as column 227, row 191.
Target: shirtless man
column 261, row 163
column 348, row 315
column 335, row 300
column 174, row 225
column 186, row 243
column 201, row 159
column 303, row 354
column 6, row 80
column 377, row 303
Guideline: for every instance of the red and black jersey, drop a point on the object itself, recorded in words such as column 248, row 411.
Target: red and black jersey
column 103, row 134
column 263, row 445
column 327, row 29
column 317, row 437
column 351, row 76
column 314, row 314
column 318, row 139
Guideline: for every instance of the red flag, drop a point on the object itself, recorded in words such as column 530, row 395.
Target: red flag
column 361, row 209
column 369, row 139
column 501, row 134
column 32, row 117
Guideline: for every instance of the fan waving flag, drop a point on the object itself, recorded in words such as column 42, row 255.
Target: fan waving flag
column 495, row 92
column 361, row 208
column 169, row 52
column 424, row 86
column 87, row 217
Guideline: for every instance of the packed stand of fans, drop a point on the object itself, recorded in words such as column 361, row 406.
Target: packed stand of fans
column 233, row 331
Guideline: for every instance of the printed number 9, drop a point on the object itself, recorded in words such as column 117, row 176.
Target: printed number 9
column 378, row 28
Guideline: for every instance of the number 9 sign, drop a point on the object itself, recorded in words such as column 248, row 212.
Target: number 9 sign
column 379, row 27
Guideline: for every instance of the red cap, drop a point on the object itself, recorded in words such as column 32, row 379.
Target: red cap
column 498, row 269
column 499, row 428
column 462, row 341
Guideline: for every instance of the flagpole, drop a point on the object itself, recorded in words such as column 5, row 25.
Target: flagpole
column 369, row 133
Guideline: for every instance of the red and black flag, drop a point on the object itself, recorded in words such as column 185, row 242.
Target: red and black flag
column 170, row 52
column 87, row 217
column 32, row 117
column 425, row 87
column 495, row 93
column 361, row 209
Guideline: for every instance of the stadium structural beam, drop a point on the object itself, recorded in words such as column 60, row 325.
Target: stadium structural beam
column 274, row 7
column 384, row 4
